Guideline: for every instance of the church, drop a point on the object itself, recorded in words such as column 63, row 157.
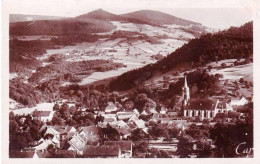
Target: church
column 202, row 108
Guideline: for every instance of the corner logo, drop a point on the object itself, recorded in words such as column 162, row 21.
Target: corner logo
column 242, row 149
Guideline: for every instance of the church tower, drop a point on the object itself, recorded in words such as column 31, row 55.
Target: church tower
column 185, row 92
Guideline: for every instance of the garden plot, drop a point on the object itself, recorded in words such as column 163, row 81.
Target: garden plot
column 236, row 72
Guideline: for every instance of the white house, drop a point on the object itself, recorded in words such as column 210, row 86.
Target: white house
column 111, row 108
column 239, row 101
column 77, row 143
column 44, row 116
column 125, row 115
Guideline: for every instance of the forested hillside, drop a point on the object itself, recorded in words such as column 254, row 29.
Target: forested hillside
column 234, row 43
column 60, row 27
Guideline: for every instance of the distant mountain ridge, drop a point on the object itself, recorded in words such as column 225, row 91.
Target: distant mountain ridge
column 70, row 26
column 23, row 18
column 93, row 22
column 158, row 18
column 107, row 16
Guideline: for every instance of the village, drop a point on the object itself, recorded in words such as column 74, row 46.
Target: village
column 121, row 133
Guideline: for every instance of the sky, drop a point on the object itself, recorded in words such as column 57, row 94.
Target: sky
column 217, row 14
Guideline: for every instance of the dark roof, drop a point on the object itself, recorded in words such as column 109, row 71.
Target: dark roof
column 65, row 146
column 124, row 145
column 201, row 104
column 21, row 154
column 99, row 151
column 37, row 113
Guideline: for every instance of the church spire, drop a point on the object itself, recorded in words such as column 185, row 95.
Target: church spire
column 185, row 82
column 185, row 92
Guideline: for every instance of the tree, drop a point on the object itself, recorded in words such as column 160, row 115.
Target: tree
column 115, row 95
column 204, row 150
column 57, row 121
column 223, row 65
column 129, row 105
column 184, row 146
column 56, row 107
column 11, row 116
column 72, row 110
column 140, row 101
column 81, row 95
column 13, row 127
column 139, row 148
column 35, row 132
column 194, row 89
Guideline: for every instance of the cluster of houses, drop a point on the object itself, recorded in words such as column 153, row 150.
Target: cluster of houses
column 86, row 141
column 72, row 142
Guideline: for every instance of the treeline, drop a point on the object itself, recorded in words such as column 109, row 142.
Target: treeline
column 22, row 54
column 26, row 94
column 73, row 70
column 234, row 43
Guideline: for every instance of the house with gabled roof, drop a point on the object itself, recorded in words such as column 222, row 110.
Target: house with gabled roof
column 59, row 132
column 43, row 144
column 137, row 122
column 110, row 108
column 90, row 134
column 238, row 101
column 125, row 115
column 76, row 143
column 136, row 112
column 43, row 116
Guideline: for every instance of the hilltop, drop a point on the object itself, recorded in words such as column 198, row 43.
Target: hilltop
column 101, row 15
column 107, row 16
column 158, row 18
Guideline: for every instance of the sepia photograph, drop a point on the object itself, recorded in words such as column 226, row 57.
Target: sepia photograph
column 140, row 79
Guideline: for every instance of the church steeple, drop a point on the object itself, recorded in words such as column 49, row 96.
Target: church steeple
column 185, row 92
